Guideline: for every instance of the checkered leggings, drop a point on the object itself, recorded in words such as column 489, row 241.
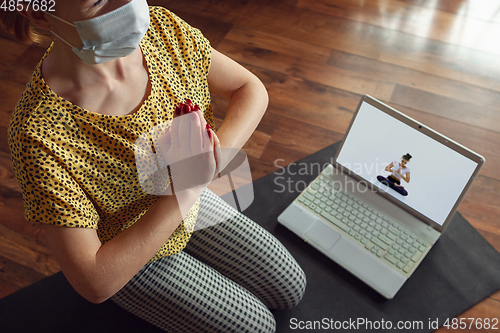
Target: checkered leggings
column 226, row 279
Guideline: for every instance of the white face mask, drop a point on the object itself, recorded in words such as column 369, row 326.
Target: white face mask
column 113, row 35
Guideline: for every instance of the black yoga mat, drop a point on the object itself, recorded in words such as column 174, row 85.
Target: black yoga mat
column 461, row 270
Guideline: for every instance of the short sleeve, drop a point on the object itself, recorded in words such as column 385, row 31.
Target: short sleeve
column 183, row 37
column 50, row 194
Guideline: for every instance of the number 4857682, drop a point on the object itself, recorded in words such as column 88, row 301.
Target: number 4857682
column 469, row 323
column 36, row 5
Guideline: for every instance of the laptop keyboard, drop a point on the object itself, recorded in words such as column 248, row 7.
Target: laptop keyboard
column 384, row 238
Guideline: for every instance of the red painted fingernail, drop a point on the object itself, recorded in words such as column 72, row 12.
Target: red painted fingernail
column 177, row 110
column 196, row 108
column 188, row 101
column 208, row 131
column 185, row 108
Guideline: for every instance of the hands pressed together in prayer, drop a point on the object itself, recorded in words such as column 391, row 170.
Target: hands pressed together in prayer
column 191, row 150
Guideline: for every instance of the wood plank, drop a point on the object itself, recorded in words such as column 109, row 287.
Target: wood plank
column 308, row 101
column 14, row 276
column 483, row 216
column 11, row 92
column 301, row 137
column 256, row 145
column 20, row 70
column 421, row 81
column 424, row 22
column 7, row 177
column 276, row 43
column 484, row 10
column 365, row 69
column 294, row 66
column 493, row 239
column 447, row 107
column 12, row 213
column 4, row 146
column 372, row 43
column 496, row 295
column 27, row 252
column 454, row 63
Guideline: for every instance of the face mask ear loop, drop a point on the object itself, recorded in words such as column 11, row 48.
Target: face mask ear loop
column 63, row 40
column 60, row 19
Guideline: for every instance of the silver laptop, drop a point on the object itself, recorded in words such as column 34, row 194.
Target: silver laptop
column 387, row 196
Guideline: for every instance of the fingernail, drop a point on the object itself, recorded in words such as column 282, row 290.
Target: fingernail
column 185, row 108
column 177, row 110
column 196, row 108
column 188, row 101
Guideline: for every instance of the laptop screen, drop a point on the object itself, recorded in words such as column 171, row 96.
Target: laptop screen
column 399, row 158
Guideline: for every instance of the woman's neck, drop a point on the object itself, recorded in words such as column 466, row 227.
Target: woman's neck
column 85, row 85
column 63, row 64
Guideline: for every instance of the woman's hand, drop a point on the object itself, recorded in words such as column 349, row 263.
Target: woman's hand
column 389, row 167
column 188, row 147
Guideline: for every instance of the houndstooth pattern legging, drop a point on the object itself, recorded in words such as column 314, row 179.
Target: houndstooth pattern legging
column 226, row 279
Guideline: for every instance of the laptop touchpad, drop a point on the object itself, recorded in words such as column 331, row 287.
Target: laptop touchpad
column 323, row 235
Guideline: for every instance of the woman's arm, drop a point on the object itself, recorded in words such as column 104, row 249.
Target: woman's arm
column 247, row 97
column 97, row 271
column 389, row 167
column 406, row 177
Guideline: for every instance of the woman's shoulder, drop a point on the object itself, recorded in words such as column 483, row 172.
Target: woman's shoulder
column 173, row 29
column 35, row 117
column 159, row 12
column 25, row 110
column 164, row 20
column 172, row 39
column 34, row 97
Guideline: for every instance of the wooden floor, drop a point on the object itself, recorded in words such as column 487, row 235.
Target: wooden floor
column 436, row 60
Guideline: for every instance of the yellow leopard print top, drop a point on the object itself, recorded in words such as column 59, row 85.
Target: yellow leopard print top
column 77, row 168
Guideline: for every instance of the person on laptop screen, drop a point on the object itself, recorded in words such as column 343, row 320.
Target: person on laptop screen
column 399, row 171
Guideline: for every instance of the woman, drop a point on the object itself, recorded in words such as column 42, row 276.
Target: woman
column 114, row 71
column 399, row 171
